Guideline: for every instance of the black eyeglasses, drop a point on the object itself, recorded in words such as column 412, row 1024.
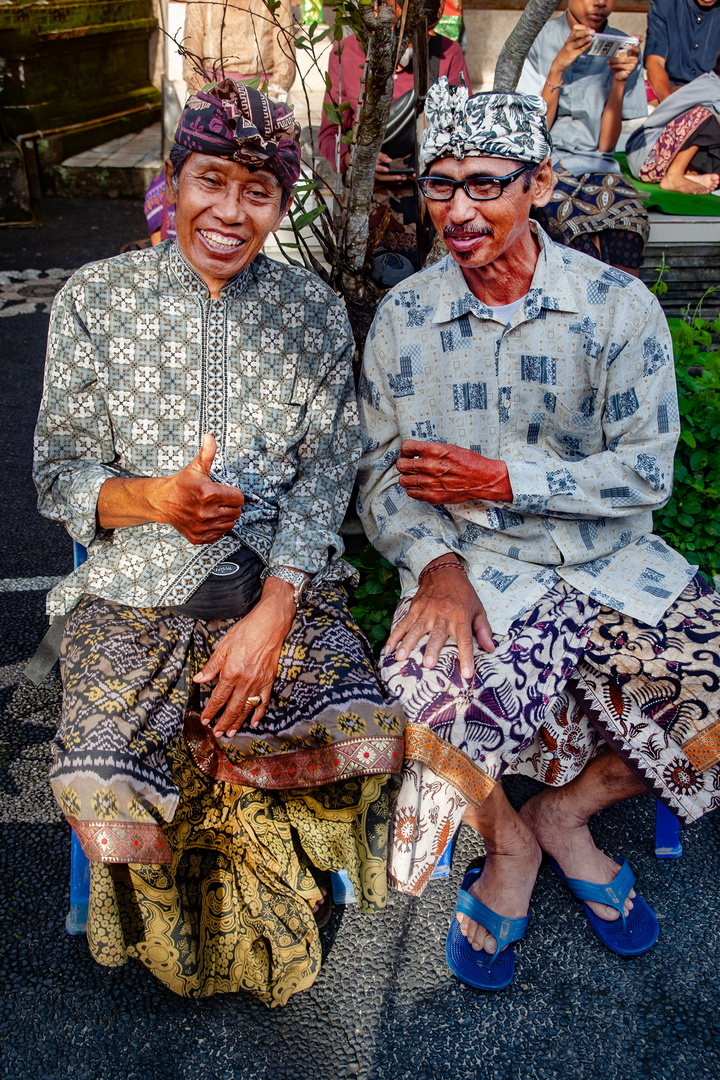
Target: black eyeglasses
column 479, row 188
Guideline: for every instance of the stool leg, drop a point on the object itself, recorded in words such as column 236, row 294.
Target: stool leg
column 76, row 918
column 442, row 869
column 667, row 833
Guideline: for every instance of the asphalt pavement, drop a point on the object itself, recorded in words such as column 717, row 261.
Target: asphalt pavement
column 385, row 1006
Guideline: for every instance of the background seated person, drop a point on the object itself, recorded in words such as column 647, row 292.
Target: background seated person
column 214, row 580
column 593, row 208
column 678, row 146
column 683, row 41
column 393, row 192
column 519, row 421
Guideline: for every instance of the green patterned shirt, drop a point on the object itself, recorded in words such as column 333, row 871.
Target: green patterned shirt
column 141, row 362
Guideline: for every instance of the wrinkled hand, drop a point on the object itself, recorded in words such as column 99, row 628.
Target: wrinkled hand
column 245, row 662
column 623, row 65
column 445, row 606
column 384, row 174
column 195, row 505
column 578, row 41
column 444, row 473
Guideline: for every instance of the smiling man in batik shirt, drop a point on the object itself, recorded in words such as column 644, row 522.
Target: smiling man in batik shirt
column 520, row 419
column 198, row 433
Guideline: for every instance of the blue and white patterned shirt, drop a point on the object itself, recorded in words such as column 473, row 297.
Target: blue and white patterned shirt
column 141, row 362
column 576, row 395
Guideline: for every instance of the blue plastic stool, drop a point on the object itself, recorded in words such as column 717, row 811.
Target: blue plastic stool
column 76, row 918
column 343, row 892
column 667, row 833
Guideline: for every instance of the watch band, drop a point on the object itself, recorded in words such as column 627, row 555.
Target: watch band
column 297, row 578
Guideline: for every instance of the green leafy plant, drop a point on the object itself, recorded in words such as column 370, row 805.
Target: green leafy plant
column 376, row 597
column 691, row 520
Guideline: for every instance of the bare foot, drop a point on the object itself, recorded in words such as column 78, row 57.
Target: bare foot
column 684, row 184
column 504, row 886
column 567, row 839
column 706, row 180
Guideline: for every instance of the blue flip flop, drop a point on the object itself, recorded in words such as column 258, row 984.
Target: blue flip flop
column 626, row 936
column 479, row 969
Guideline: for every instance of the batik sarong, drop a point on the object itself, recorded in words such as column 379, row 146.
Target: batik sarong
column 673, row 138
column 202, row 849
column 593, row 204
column 568, row 679
column 159, row 214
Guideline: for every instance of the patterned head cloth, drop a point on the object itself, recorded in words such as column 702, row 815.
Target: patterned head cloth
column 486, row 125
column 231, row 120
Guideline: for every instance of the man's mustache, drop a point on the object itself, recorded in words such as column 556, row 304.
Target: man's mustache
column 464, row 230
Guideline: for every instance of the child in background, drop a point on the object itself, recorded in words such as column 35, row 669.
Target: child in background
column 593, row 208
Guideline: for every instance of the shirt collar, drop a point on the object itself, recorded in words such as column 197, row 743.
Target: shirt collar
column 549, row 289
column 193, row 283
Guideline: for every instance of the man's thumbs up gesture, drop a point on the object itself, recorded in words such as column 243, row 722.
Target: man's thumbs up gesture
column 189, row 500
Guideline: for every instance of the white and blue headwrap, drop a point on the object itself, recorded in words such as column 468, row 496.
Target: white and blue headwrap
column 486, row 125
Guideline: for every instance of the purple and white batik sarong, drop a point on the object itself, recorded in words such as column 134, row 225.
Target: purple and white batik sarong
column 568, row 678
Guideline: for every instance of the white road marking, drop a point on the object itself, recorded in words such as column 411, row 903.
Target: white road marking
column 29, row 584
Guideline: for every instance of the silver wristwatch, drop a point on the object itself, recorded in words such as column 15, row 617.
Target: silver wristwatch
column 297, row 578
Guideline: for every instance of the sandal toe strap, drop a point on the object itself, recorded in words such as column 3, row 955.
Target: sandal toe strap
column 504, row 930
column 614, row 895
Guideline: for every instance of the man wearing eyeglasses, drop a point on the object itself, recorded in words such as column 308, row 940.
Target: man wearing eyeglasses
column 520, row 419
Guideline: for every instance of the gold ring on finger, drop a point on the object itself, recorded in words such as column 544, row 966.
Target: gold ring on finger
column 253, row 702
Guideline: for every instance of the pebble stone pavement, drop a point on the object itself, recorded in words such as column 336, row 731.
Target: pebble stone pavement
column 385, row 1006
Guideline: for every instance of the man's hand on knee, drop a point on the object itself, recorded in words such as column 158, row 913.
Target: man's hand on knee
column 246, row 660
column 445, row 606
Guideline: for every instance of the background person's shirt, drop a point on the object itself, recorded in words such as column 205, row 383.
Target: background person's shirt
column 686, row 35
column 576, row 395
column 452, row 64
column 575, row 132
column 141, row 362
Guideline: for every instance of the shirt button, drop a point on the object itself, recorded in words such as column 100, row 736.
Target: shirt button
column 699, row 18
column 506, row 403
column 695, row 45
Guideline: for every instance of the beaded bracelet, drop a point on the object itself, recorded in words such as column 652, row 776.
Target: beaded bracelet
column 554, row 86
column 439, row 566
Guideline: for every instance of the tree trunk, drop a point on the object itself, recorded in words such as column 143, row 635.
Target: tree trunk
column 421, row 71
column 383, row 32
column 518, row 45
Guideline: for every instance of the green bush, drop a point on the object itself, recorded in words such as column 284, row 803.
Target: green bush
column 376, row 597
column 690, row 522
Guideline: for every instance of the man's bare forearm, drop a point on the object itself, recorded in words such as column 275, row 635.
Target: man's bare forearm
column 658, row 77
column 611, row 121
column 125, row 501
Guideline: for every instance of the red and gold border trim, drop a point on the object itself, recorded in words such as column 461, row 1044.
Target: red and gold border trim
column 296, row 769
column 449, row 763
column 703, row 749
column 122, row 841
